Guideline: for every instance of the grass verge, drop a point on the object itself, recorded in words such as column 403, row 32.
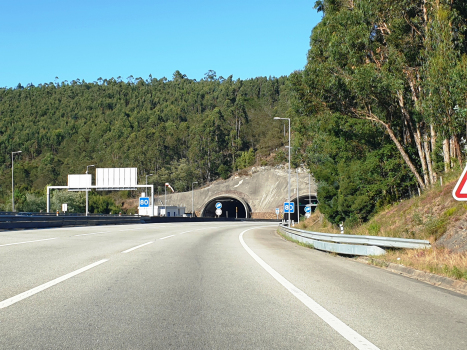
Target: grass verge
column 306, row 245
column 438, row 261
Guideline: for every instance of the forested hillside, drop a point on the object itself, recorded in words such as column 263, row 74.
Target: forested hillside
column 180, row 130
column 383, row 101
column 378, row 114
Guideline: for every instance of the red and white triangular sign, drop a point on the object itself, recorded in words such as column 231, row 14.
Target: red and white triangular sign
column 460, row 191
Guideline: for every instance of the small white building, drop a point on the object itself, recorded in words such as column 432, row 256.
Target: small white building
column 160, row 210
column 169, row 211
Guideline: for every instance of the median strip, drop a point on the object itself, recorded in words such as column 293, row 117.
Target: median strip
column 44, row 286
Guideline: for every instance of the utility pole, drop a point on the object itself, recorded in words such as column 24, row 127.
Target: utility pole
column 288, row 182
column 13, row 182
column 87, row 190
column 192, row 198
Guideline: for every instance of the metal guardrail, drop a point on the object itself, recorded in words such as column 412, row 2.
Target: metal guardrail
column 14, row 221
column 352, row 244
column 22, row 221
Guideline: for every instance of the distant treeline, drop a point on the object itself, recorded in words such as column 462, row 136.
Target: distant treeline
column 180, row 130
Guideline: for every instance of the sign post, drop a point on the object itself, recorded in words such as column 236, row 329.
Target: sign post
column 307, row 211
column 277, row 213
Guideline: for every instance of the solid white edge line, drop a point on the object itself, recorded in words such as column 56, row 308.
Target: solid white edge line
column 27, row 294
column 167, row 237
column 348, row 333
column 37, row 240
column 138, row 246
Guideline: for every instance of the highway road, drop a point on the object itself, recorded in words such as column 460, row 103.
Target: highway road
column 224, row 285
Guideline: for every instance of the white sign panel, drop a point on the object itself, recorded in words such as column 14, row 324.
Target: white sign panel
column 111, row 178
column 218, row 212
column 79, row 181
column 64, row 207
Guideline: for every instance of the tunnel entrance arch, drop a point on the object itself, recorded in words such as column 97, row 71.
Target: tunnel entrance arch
column 232, row 207
column 303, row 201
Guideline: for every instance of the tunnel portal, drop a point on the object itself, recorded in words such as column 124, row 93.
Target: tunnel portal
column 304, row 201
column 231, row 207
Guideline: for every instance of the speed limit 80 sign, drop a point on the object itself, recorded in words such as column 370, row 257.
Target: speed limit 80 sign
column 144, row 202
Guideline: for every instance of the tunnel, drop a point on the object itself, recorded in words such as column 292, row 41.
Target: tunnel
column 231, row 207
column 304, row 201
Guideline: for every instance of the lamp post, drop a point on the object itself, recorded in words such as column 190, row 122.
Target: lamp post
column 147, row 178
column 288, row 182
column 87, row 199
column 13, row 182
column 192, row 197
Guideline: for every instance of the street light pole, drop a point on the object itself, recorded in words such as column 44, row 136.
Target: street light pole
column 147, row 178
column 192, row 197
column 13, row 182
column 87, row 191
column 288, row 182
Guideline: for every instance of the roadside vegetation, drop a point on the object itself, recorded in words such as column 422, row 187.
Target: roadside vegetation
column 434, row 216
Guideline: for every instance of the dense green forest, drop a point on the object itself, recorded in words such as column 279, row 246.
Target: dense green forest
column 378, row 114
column 383, row 100
column 179, row 130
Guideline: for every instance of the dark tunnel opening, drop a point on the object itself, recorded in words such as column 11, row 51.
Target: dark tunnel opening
column 231, row 208
column 304, row 201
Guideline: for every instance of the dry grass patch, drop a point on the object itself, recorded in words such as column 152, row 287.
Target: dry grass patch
column 439, row 261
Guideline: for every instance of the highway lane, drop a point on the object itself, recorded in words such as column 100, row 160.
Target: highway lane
column 195, row 286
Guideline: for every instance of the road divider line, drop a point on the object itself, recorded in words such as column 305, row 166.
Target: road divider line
column 138, row 246
column 167, row 237
column 88, row 234
column 27, row 294
column 348, row 333
column 37, row 240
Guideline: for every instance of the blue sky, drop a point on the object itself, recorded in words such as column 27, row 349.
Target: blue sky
column 41, row 40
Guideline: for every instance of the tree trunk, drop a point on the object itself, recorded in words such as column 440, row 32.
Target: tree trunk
column 446, row 153
column 457, row 149
column 428, row 159
column 433, row 138
column 405, row 156
column 421, row 153
column 417, row 137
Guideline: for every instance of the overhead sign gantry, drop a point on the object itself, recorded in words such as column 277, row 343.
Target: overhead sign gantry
column 107, row 179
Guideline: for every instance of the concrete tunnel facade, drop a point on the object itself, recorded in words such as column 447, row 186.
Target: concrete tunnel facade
column 255, row 194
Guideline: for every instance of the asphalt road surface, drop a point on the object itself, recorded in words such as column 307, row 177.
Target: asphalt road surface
column 209, row 286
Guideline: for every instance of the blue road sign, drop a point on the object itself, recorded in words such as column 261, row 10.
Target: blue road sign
column 289, row 207
column 307, row 209
column 144, row 202
column 218, row 205
column 278, row 211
